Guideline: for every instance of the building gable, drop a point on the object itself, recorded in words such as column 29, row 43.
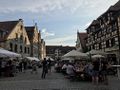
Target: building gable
column 32, row 32
column 80, row 44
column 6, row 27
column 19, row 32
column 35, row 37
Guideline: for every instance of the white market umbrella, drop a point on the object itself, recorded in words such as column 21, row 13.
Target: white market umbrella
column 2, row 56
column 49, row 58
column 76, row 54
column 7, row 53
column 32, row 58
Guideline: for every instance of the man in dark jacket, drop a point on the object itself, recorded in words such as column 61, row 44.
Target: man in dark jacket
column 45, row 68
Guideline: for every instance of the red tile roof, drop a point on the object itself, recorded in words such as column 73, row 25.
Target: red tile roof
column 82, row 37
column 50, row 49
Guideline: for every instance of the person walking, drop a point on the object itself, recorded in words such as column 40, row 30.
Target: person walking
column 34, row 67
column 104, row 68
column 49, row 64
column 95, row 72
column 70, row 70
column 24, row 65
column 45, row 68
column 20, row 66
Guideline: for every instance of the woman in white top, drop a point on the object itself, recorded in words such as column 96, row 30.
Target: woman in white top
column 70, row 69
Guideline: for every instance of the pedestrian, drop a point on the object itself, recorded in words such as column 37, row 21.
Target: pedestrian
column 104, row 68
column 64, row 67
column 70, row 70
column 95, row 72
column 45, row 68
column 49, row 64
column 3, row 67
column 20, row 66
column 34, row 67
column 25, row 65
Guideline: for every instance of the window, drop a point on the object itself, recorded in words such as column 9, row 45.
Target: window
column 16, row 36
column 100, row 46
column 107, row 44
column 21, row 49
column 15, row 48
column 25, row 50
column 25, row 40
column 21, row 38
column 89, row 48
column 28, row 50
column 93, row 47
column 112, row 42
column 109, row 16
column 92, row 28
column 11, row 47
column 1, row 34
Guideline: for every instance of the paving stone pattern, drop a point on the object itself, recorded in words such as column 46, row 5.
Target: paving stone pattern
column 53, row 81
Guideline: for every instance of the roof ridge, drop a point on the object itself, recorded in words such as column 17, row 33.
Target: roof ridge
column 11, row 21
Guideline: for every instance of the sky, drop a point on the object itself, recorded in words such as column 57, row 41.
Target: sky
column 58, row 20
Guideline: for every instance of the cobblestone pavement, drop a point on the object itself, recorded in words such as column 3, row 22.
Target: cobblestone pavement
column 53, row 81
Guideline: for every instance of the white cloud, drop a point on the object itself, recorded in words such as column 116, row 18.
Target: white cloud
column 47, row 34
column 64, row 40
column 49, row 5
column 38, row 5
column 82, row 10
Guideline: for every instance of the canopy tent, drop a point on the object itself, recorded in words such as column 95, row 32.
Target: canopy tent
column 32, row 58
column 98, row 56
column 2, row 56
column 79, row 49
column 95, row 52
column 67, row 58
column 6, row 53
column 76, row 55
